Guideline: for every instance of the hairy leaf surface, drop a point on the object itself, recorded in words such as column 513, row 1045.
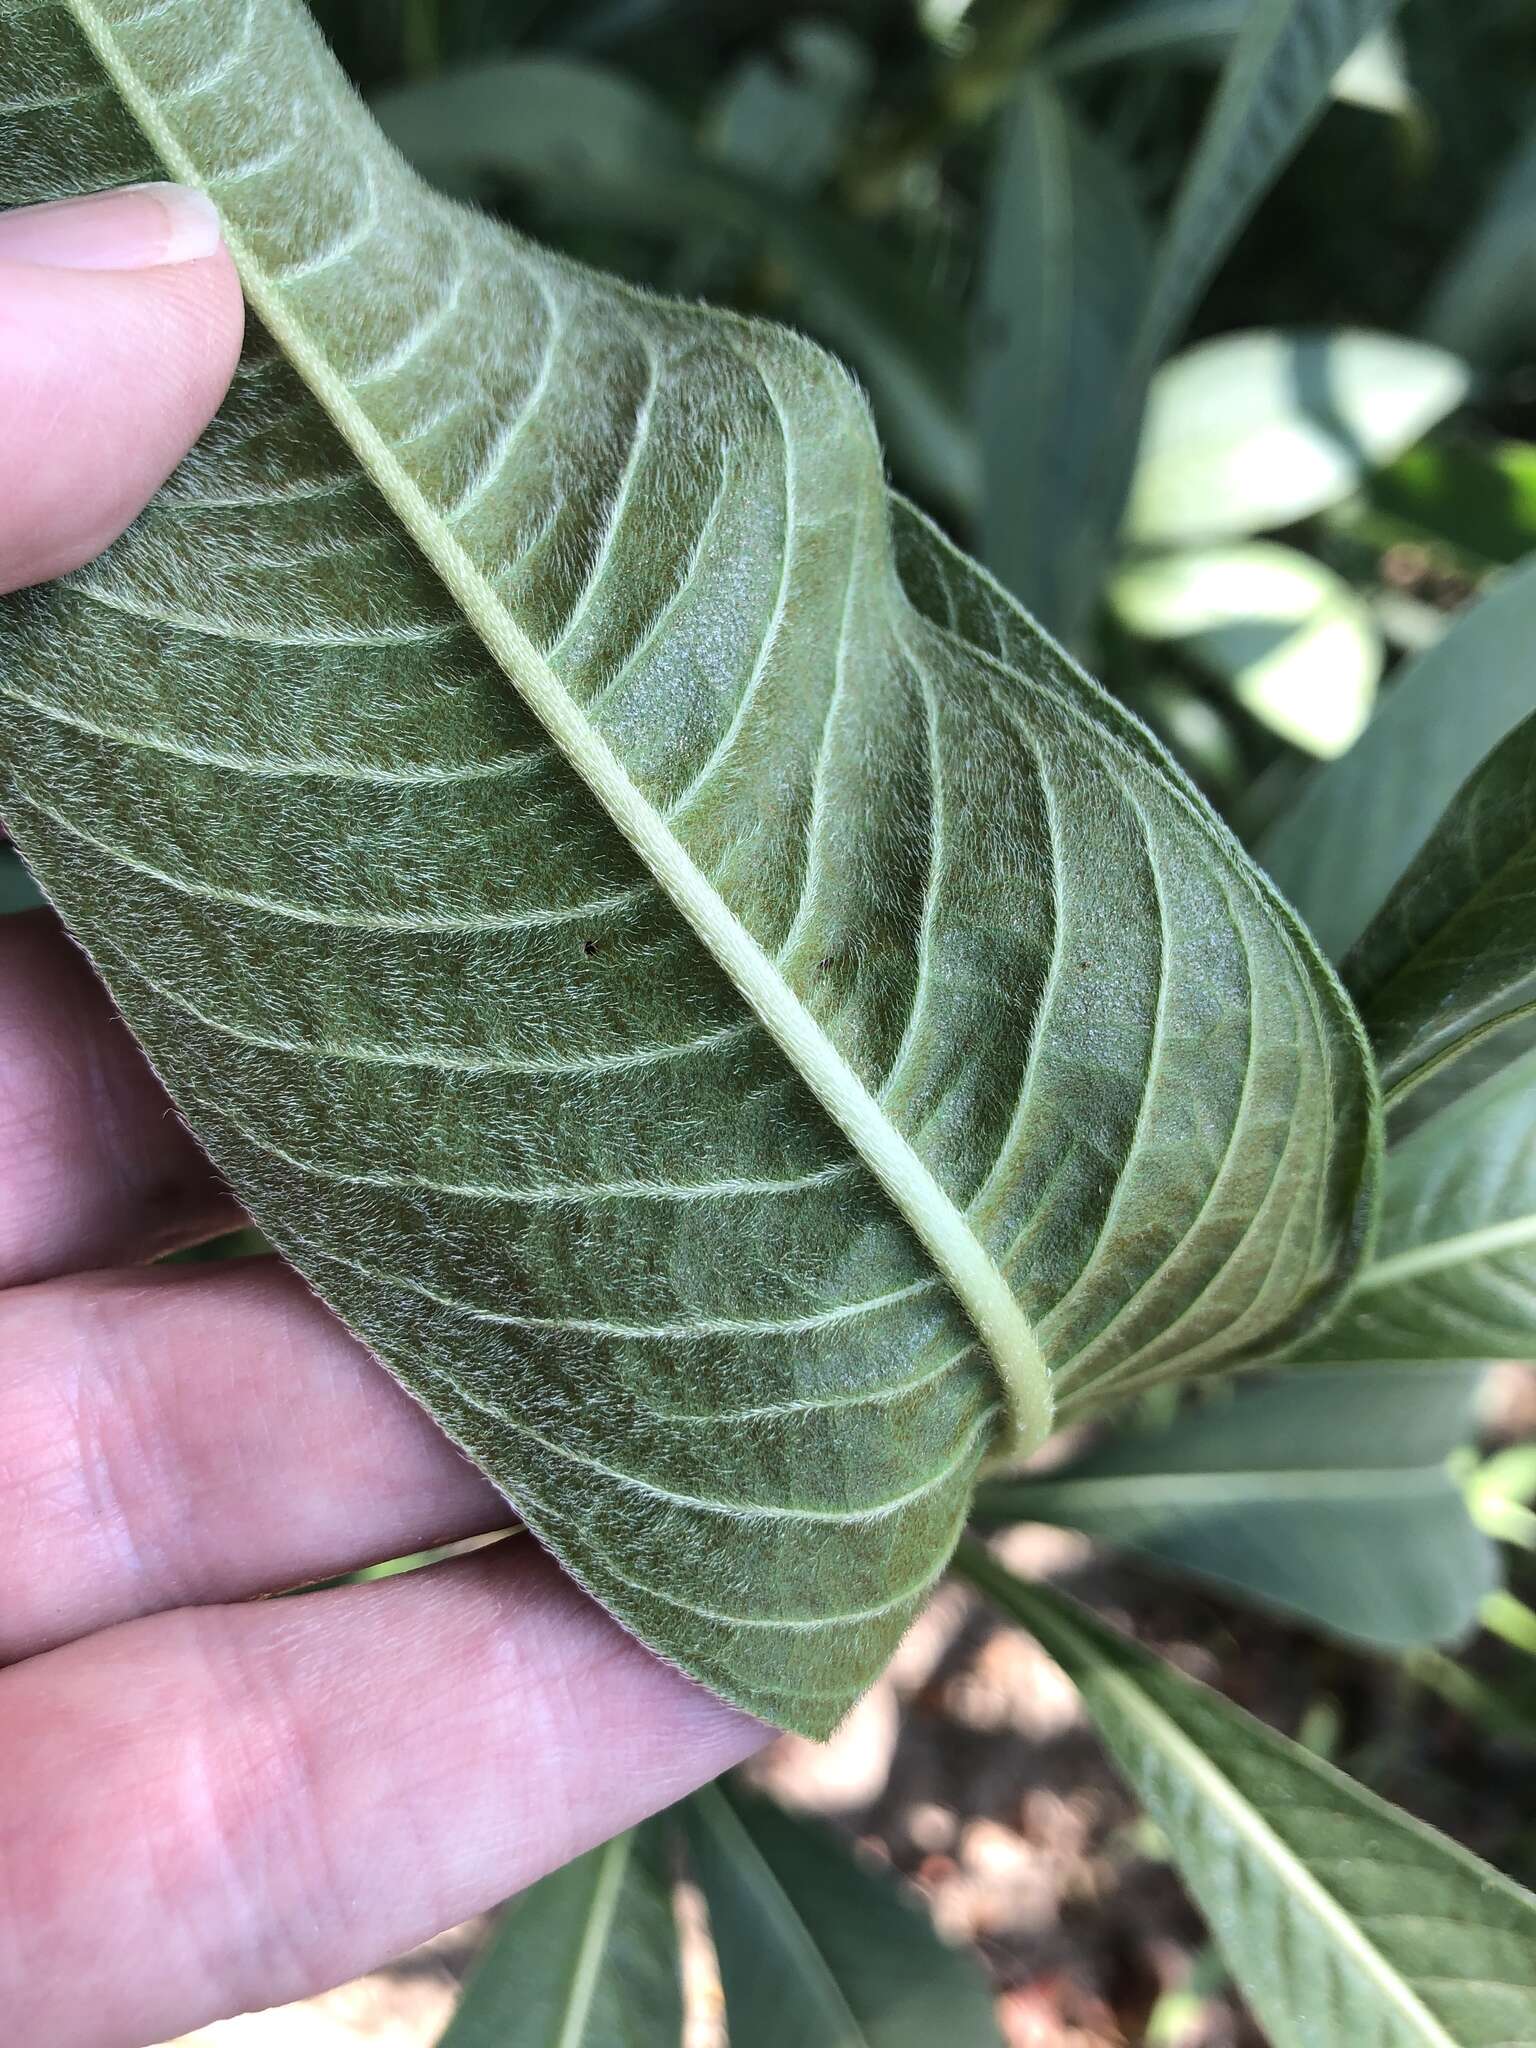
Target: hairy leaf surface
column 1326, row 1494
column 732, row 1017
column 586, row 1958
column 1344, row 1920
column 1454, row 1272
column 816, row 1949
column 1451, row 956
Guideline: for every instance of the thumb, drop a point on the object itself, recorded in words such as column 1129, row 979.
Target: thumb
column 120, row 324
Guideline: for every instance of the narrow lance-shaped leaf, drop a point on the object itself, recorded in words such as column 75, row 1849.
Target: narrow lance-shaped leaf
column 1451, row 956
column 1342, row 1919
column 1064, row 269
column 722, row 1008
column 1454, row 1272
column 815, row 1949
column 1327, row 1494
column 587, row 1958
column 1358, row 823
column 1273, row 87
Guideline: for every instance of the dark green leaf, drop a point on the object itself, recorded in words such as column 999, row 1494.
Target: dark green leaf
column 1451, row 956
column 587, row 1958
column 1273, row 87
column 684, row 966
column 1065, row 266
column 1326, row 1494
column 18, row 891
column 1454, row 1275
column 1477, row 497
column 1484, row 305
column 818, row 1950
column 1344, row 1921
column 1342, row 847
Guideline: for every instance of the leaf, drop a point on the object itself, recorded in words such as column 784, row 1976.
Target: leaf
column 587, row 1958
column 1343, row 1920
column 1202, row 31
column 1064, row 268
column 1481, row 305
column 784, row 119
column 1257, row 430
column 819, row 1950
column 1298, row 649
column 18, row 891
column 591, row 142
column 1325, row 1494
column 1341, row 848
column 1273, row 87
column 1477, row 497
column 1451, row 956
column 717, row 1003
column 1454, row 1273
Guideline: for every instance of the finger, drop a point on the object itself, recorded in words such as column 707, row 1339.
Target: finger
column 120, row 324
column 95, row 1169
column 202, row 1433
column 229, row 1807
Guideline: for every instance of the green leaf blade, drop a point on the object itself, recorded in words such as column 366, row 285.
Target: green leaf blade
column 1451, row 956
column 645, row 1078
column 587, row 1958
column 1343, row 1919
column 1325, row 1494
column 1454, row 1269
column 1357, row 825
column 818, row 1950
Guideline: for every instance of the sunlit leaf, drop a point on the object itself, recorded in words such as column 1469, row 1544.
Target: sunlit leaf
column 817, row 1949
column 1339, row 850
column 1477, row 497
column 1344, row 1920
column 1254, row 431
column 1326, row 1494
column 693, row 977
column 1298, row 649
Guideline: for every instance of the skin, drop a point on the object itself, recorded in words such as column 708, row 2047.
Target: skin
column 210, row 1801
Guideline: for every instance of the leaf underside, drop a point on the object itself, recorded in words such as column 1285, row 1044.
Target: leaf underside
column 727, row 1014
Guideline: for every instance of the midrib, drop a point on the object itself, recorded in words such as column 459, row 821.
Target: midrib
column 613, row 1860
column 910, row 1185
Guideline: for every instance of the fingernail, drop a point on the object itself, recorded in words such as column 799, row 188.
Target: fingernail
column 136, row 227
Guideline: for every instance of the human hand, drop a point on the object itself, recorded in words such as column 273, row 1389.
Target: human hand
column 209, row 1802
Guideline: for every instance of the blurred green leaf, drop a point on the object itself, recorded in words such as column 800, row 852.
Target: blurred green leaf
column 18, row 891
column 587, row 1958
column 1254, row 431
column 589, row 142
column 1064, row 268
column 1202, row 31
column 1298, row 649
column 817, row 1950
column 1454, row 1273
column 1342, row 846
column 1194, row 730
column 785, row 120
column 1326, row 1494
column 1272, row 88
column 1484, row 303
column 1479, row 498
column 1451, row 956
column 1344, row 1921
